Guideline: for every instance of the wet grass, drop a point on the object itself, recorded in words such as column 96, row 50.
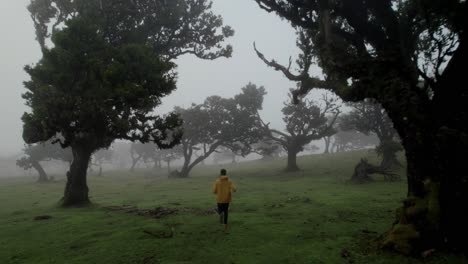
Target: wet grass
column 313, row 216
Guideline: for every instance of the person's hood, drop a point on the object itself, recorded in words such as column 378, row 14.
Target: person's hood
column 224, row 178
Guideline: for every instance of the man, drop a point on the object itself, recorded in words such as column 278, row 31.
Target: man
column 223, row 187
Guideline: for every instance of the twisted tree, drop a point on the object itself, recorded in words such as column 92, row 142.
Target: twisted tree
column 232, row 123
column 110, row 64
column 37, row 153
column 369, row 117
column 267, row 148
column 305, row 122
column 409, row 56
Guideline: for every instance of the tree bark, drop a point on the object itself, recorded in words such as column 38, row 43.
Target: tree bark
column 188, row 165
column 76, row 188
column 42, row 174
column 453, row 189
column 187, row 168
column 434, row 213
column 292, row 160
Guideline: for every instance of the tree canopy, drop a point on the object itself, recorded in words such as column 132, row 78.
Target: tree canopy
column 232, row 123
column 108, row 67
column 170, row 28
column 305, row 122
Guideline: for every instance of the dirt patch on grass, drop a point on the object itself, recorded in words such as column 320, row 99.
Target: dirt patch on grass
column 160, row 212
column 42, row 217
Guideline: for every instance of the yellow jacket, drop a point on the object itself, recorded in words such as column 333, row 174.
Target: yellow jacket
column 223, row 187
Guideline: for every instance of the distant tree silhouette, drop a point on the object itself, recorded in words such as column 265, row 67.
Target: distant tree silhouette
column 305, row 122
column 102, row 156
column 36, row 153
column 232, row 123
column 369, row 117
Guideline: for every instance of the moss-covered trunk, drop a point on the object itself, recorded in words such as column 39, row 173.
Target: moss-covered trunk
column 434, row 213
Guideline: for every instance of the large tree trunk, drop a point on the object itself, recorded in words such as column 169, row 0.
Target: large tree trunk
column 292, row 161
column 434, row 213
column 452, row 146
column 76, row 189
column 453, row 189
column 42, row 174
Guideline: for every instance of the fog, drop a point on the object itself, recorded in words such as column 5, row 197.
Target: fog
column 197, row 78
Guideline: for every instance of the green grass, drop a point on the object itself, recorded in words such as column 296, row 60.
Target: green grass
column 304, row 217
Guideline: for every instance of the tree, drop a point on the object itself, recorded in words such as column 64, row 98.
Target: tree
column 305, row 122
column 224, row 154
column 345, row 140
column 169, row 155
column 109, row 67
column 368, row 117
column 102, row 156
column 409, row 56
column 37, row 153
column 232, row 123
column 267, row 148
column 141, row 152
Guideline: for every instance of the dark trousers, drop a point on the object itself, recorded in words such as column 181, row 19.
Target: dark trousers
column 223, row 209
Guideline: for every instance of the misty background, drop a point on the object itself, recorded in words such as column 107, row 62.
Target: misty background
column 197, row 80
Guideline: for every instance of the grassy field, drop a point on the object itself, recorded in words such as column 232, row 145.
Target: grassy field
column 313, row 216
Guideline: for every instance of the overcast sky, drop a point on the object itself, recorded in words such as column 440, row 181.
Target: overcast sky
column 197, row 78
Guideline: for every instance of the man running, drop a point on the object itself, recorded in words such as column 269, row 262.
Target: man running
column 223, row 187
